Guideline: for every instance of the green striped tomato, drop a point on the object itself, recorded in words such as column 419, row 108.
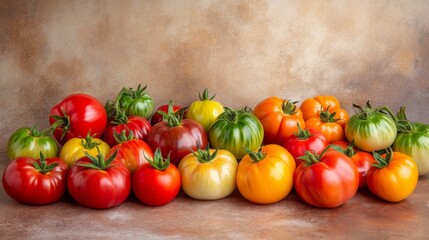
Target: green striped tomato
column 235, row 130
column 371, row 129
column 29, row 142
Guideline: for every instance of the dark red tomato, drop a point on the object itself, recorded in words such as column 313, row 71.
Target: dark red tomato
column 35, row 181
column 177, row 137
column 327, row 180
column 132, row 152
column 139, row 126
column 98, row 183
column 305, row 140
column 77, row 115
column 157, row 117
column 157, row 182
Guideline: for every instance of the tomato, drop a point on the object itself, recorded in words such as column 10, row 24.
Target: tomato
column 328, row 125
column 157, row 182
column 305, row 140
column 370, row 128
column 312, row 107
column 139, row 126
column 395, row 176
column 208, row 174
column 76, row 148
column 132, row 102
column 35, row 181
column 327, row 180
column 413, row 140
column 132, row 152
column 279, row 118
column 30, row 142
column 266, row 175
column 177, row 137
column 205, row 111
column 100, row 183
column 234, row 130
column 157, row 117
column 76, row 116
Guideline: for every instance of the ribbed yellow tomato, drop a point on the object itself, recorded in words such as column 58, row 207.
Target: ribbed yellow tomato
column 266, row 176
column 75, row 148
column 208, row 174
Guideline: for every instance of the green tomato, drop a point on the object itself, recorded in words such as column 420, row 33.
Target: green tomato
column 29, row 142
column 136, row 102
column 371, row 129
column 205, row 111
column 236, row 130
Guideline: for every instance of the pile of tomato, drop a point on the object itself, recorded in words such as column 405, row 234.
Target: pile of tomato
column 102, row 153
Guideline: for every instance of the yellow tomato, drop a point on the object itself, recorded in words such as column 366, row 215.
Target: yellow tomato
column 75, row 148
column 266, row 176
column 208, row 174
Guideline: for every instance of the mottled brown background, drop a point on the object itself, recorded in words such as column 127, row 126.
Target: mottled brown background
column 242, row 50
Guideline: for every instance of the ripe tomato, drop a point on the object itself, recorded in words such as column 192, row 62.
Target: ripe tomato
column 312, row 107
column 177, row 137
column 29, row 142
column 132, row 152
column 266, row 176
column 76, row 148
column 370, row 128
column 35, row 181
column 95, row 182
column 157, row 117
column 76, row 116
column 394, row 178
column 327, row 180
column 208, row 174
column 205, row 111
column 305, row 140
column 235, row 130
column 156, row 182
column 328, row 125
column 280, row 119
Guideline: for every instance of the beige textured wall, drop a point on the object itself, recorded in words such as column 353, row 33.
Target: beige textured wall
column 242, row 50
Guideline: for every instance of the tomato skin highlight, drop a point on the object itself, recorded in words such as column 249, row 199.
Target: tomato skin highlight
column 29, row 142
column 136, row 124
column 75, row 148
column 132, row 153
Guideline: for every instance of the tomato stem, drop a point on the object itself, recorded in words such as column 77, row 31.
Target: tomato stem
column 230, row 115
column 302, row 134
column 43, row 167
column 61, row 122
column 289, row 107
column 88, row 142
column 255, row 156
column 380, row 161
column 123, row 137
column 205, row 95
column 310, row 158
column 98, row 162
column 158, row 161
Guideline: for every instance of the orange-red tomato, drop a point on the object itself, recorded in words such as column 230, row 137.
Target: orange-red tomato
column 328, row 125
column 279, row 117
column 312, row 107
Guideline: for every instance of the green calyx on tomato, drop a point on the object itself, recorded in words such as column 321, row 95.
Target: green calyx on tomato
column 302, row 134
column 125, row 135
column 255, row 156
column 368, row 111
column 63, row 122
column 380, row 161
column 98, row 162
column 44, row 167
column 328, row 117
column 87, row 143
column 311, row 157
column 204, row 156
column 205, row 95
column 289, row 107
column 158, row 161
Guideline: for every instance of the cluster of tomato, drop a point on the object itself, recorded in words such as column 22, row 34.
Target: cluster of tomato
column 208, row 150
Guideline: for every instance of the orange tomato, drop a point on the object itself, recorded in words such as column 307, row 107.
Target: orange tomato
column 311, row 107
column 328, row 125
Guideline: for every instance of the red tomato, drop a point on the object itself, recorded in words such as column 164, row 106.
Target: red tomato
column 327, row 180
column 177, row 137
column 132, row 152
column 157, row 117
column 35, row 181
column 77, row 115
column 157, row 182
column 139, row 126
column 305, row 140
column 98, row 183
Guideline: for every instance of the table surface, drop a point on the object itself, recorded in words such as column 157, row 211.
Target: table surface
column 363, row 217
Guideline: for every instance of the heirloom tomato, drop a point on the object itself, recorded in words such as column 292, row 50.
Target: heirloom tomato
column 328, row 125
column 30, row 142
column 139, row 126
column 312, row 107
column 76, row 148
column 266, row 176
column 132, row 102
column 305, row 140
column 235, row 130
column 413, row 140
column 327, row 180
column 35, row 181
column 394, row 177
column 132, row 152
column 208, row 174
column 371, row 129
column 205, row 111
column 100, row 183
column 156, row 182
column 177, row 137
column 77, row 115
column 157, row 117
column 279, row 118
